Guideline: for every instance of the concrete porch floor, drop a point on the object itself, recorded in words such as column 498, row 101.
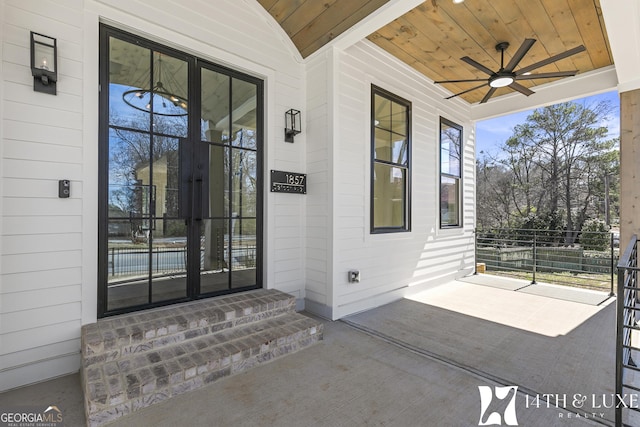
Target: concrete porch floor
column 415, row 362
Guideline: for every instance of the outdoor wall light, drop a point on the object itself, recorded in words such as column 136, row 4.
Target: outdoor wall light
column 291, row 124
column 44, row 63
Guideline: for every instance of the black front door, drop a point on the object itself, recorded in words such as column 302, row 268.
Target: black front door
column 180, row 176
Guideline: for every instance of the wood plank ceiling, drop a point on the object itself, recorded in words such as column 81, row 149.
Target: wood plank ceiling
column 434, row 36
column 313, row 23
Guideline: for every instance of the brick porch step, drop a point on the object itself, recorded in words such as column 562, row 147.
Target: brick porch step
column 135, row 361
column 111, row 338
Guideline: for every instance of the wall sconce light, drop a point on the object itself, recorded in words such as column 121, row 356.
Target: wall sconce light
column 44, row 63
column 291, row 124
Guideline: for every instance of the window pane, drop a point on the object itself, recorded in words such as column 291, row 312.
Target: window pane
column 169, row 257
column 390, row 147
column 214, row 256
column 381, row 112
column 169, row 95
column 127, row 266
column 449, row 201
column 129, row 76
column 245, row 192
column 128, row 163
column 389, row 185
column 244, row 104
column 218, row 182
column 165, row 176
column 215, row 118
column 399, row 119
column 382, row 145
column 243, row 254
column 450, row 144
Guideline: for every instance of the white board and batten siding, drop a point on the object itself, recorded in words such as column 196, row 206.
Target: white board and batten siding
column 396, row 264
column 49, row 245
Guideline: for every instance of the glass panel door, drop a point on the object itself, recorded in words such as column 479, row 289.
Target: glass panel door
column 228, row 232
column 180, row 176
column 147, row 238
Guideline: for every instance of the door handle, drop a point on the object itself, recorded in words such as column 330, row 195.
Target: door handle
column 197, row 200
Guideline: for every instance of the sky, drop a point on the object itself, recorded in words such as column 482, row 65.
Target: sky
column 490, row 134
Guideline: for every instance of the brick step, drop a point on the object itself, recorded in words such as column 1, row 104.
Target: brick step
column 114, row 338
column 119, row 387
column 136, row 360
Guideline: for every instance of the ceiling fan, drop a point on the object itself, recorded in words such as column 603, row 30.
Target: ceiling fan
column 506, row 76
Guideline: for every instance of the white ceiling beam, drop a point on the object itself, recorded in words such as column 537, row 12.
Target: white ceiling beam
column 390, row 11
column 622, row 21
column 563, row 90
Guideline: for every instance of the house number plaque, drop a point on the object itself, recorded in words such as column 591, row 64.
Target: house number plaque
column 288, row 182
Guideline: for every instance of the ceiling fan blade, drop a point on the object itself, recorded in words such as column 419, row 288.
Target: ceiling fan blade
column 488, row 95
column 547, row 75
column 551, row 59
column 477, row 65
column 465, row 91
column 522, row 51
column 461, row 81
column 522, row 89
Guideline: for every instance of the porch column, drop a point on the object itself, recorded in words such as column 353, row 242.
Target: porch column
column 629, row 166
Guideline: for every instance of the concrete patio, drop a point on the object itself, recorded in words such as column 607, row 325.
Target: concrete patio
column 415, row 362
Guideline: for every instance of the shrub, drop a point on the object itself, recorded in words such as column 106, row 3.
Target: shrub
column 594, row 235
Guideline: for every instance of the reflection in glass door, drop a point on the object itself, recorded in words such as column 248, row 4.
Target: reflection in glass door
column 180, row 176
column 228, row 232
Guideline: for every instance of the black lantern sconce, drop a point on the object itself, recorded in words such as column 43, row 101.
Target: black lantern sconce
column 44, row 63
column 291, row 124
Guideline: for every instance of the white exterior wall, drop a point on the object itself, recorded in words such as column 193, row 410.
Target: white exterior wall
column 319, row 200
column 392, row 265
column 48, row 270
column 42, row 236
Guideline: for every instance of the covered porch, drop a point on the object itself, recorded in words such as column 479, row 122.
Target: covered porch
column 417, row 361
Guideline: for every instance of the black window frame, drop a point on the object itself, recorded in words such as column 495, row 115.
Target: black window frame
column 406, row 227
column 458, row 178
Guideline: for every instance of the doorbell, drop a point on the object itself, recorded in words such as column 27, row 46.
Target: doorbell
column 64, row 188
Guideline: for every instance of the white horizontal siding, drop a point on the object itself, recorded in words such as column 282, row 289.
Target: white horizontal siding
column 318, row 202
column 43, row 368
column 34, row 280
column 40, row 261
column 48, row 245
column 36, row 132
column 41, row 247
column 392, row 265
column 31, row 345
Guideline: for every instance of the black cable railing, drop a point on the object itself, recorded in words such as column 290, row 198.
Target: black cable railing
column 583, row 259
column 627, row 306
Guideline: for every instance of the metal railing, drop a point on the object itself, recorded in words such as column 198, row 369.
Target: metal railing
column 627, row 306
column 135, row 261
column 584, row 259
column 126, row 263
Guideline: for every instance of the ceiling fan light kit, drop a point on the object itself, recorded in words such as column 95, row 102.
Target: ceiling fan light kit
column 507, row 76
column 500, row 81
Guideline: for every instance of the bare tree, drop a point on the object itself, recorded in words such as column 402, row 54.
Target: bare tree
column 557, row 162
